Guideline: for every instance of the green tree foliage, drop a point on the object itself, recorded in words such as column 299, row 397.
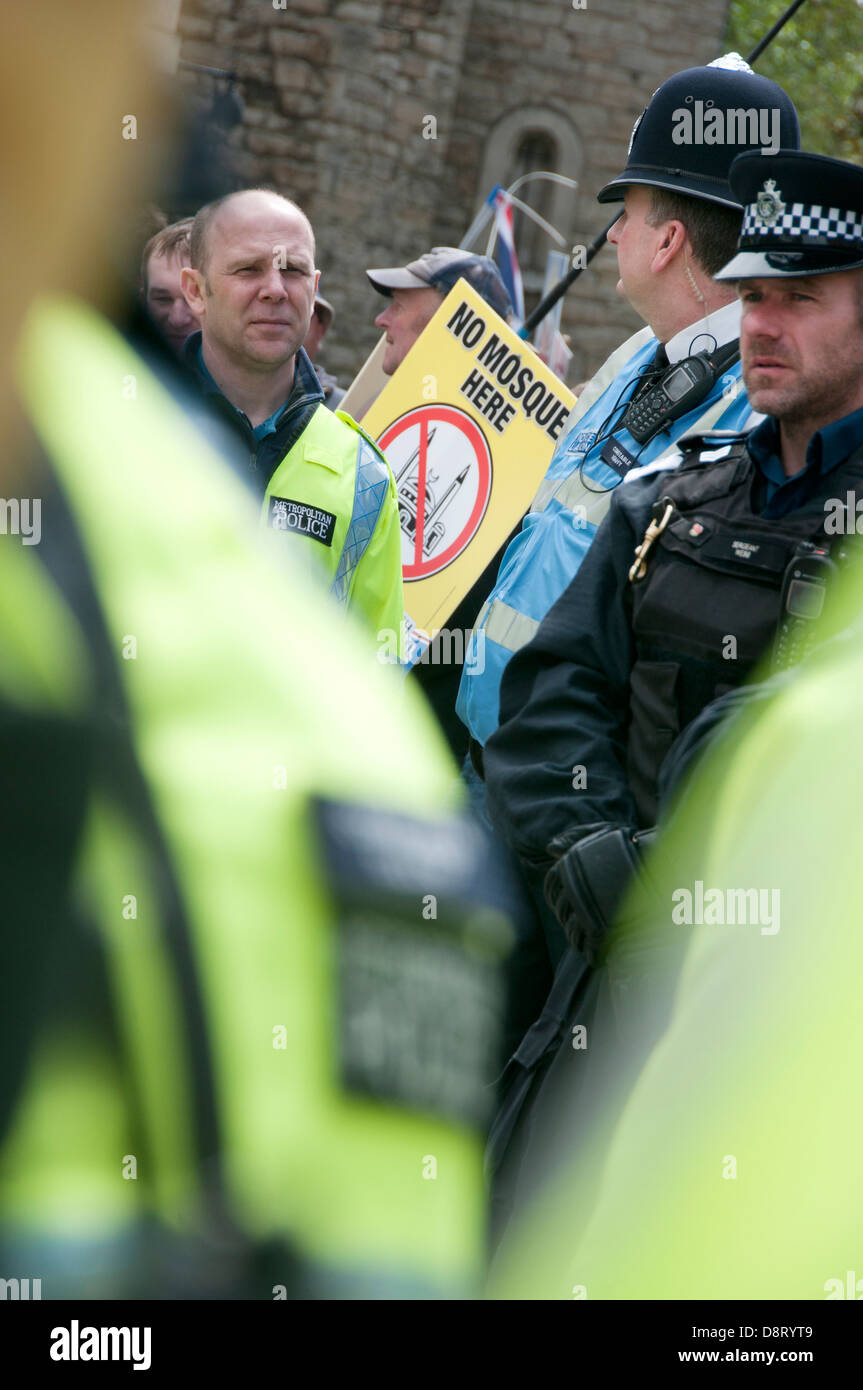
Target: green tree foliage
column 818, row 59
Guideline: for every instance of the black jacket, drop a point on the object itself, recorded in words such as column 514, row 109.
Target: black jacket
column 586, row 718
column 565, row 697
column 565, row 701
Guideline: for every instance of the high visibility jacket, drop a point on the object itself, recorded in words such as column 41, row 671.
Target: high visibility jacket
column 303, row 1005
column 722, row 1167
column 334, row 488
column 572, row 500
column 327, row 482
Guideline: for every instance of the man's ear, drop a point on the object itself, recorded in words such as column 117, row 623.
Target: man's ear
column 192, row 285
column 674, row 239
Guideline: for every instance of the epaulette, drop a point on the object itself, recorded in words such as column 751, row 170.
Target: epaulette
column 712, row 444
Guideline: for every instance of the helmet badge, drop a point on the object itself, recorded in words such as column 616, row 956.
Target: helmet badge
column 769, row 206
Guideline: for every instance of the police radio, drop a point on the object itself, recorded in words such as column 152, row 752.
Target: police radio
column 677, row 391
column 804, row 589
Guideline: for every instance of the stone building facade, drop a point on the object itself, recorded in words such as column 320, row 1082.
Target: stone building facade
column 390, row 120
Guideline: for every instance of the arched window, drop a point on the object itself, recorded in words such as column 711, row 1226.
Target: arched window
column 537, row 149
column 523, row 142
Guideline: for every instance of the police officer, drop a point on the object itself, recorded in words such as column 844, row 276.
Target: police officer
column 245, row 1024
column 693, row 576
column 718, row 1167
column 270, row 897
column 678, row 226
column 252, row 282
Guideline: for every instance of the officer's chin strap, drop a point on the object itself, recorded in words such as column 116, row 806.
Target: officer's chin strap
column 639, row 567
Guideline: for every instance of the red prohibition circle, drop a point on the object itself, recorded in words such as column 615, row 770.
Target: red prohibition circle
column 451, row 415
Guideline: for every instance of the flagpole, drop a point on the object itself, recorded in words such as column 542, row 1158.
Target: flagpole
column 559, row 290
column 771, row 33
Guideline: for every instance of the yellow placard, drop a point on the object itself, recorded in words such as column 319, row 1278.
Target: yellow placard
column 468, row 423
column 367, row 384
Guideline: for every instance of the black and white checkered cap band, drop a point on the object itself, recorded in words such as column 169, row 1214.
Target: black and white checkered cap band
column 805, row 222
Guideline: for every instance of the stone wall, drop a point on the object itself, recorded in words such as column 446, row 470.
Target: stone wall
column 338, row 96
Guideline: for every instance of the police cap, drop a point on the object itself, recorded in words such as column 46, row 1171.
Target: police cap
column 802, row 215
column 697, row 123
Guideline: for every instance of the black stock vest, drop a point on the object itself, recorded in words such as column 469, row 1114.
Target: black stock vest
column 708, row 606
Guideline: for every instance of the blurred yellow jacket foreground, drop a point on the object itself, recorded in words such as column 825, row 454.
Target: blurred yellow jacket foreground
column 732, row 1170
column 251, row 984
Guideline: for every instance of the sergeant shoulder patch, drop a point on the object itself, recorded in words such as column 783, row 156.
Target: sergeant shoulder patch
column 283, row 514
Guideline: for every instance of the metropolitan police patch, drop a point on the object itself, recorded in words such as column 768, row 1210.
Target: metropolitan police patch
column 303, row 520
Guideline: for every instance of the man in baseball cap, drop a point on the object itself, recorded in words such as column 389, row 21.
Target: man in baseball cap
column 415, row 292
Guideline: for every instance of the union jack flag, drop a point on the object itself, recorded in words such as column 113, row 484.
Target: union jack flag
column 504, row 250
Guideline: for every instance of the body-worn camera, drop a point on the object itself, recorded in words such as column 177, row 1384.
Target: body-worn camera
column 804, row 589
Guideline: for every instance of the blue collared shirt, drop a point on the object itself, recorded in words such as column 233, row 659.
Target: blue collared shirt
column 827, row 449
column 269, row 425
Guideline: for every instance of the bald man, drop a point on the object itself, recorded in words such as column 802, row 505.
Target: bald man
column 251, row 282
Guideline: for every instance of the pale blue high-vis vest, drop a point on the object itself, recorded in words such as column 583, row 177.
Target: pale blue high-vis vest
column 545, row 556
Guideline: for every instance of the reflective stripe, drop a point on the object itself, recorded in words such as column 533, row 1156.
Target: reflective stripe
column 512, row 629
column 545, row 492
column 346, row 454
column 570, row 492
column 508, row 627
column 372, row 482
column 713, row 412
column 609, row 370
